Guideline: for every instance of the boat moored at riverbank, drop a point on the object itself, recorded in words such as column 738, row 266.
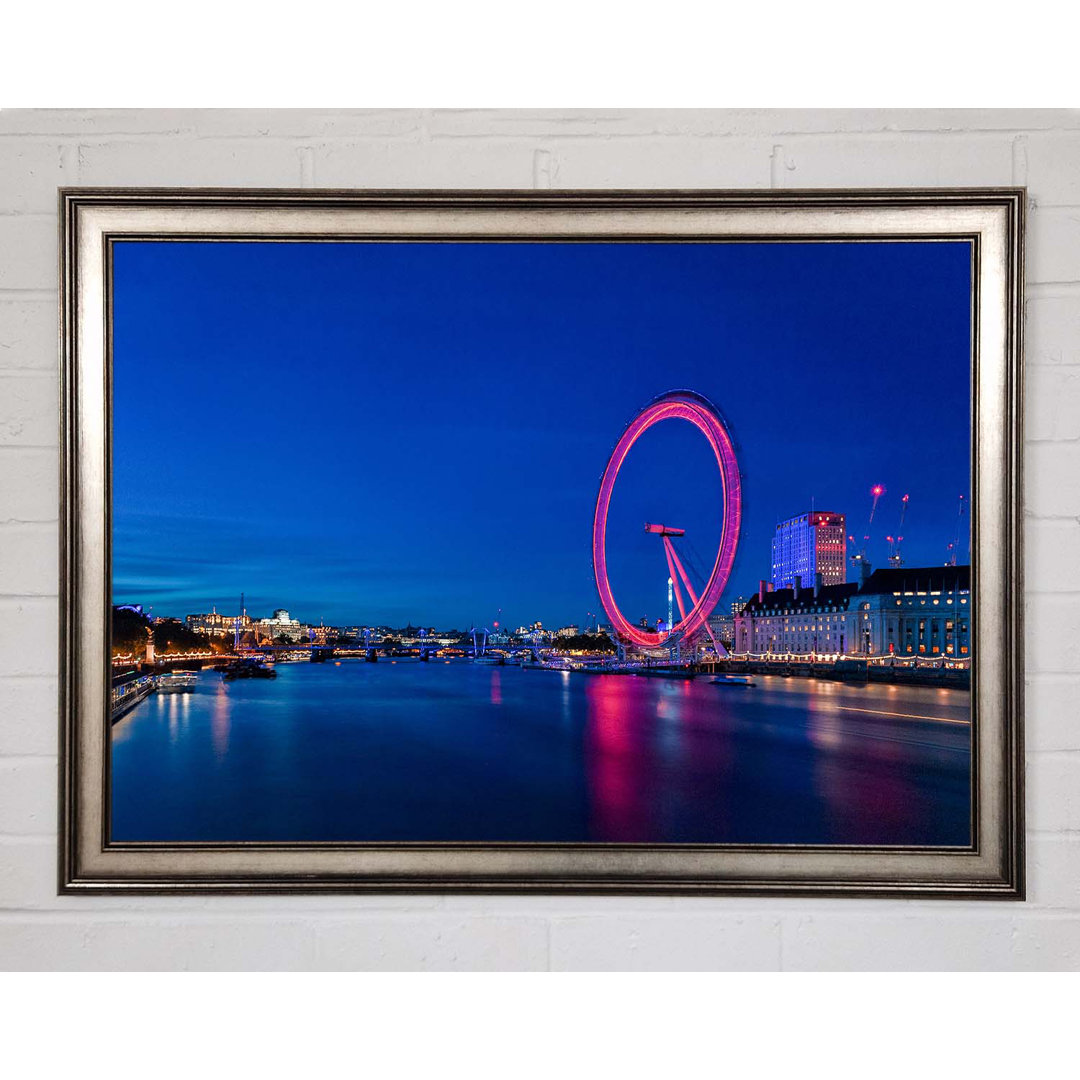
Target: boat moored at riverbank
column 176, row 682
column 249, row 669
column 124, row 698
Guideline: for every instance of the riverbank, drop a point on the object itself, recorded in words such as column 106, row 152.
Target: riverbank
column 876, row 670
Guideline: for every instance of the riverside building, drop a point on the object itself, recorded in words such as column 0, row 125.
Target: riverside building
column 279, row 625
column 807, row 545
column 903, row 611
column 217, row 625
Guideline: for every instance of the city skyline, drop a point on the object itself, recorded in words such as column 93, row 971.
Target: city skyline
column 438, row 460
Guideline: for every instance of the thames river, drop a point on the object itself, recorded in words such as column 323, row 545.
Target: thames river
column 462, row 752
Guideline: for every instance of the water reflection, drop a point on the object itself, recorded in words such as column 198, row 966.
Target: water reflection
column 219, row 722
column 621, row 809
column 447, row 752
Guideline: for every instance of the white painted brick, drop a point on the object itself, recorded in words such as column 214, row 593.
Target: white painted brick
column 650, row 163
column 28, row 636
column 1046, row 943
column 397, row 164
column 189, row 162
column 1053, row 632
column 1052, row 555
column 730, row 942
column 902, row 161
column 1053, row 247
column 28, row 720
column 245, row 123
column 28, row 252
column 1053, row 791
column 30, row 173
column 1053, row 166
column 28, row 333
column 1052, row 334
column 580, row 905
column 770, row 123
column 29, row 413
column 29, row 562
column 27, row 873
column 432, row 943
column 1052, row 403
column 1050, row 712
column 495, row 123
column 306, row 123
column 29, row 485
column 28, row 796
column 1053, row 871
column 501, row 124
column 54, row 122
column 101, row 943
column 896, row 942
column 1052, row 479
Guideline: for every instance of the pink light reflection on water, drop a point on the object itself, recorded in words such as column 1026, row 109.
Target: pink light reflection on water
column 220, row 722
column 620, row 812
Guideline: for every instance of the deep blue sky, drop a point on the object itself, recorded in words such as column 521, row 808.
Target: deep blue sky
column 384, row 433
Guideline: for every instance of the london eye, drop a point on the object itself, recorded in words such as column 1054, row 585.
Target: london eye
column 695, row 409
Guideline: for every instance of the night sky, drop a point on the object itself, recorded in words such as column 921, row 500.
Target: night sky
column 386, row 433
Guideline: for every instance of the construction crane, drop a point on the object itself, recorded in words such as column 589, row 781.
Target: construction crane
column 954, row 546
column 860, row 557
column 237, row 628
column 895, row 558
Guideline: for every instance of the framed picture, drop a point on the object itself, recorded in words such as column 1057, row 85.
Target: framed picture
column 654, row 542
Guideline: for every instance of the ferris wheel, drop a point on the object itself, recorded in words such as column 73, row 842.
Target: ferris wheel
column 695, row 409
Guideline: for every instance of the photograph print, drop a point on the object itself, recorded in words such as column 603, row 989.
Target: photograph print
column 587, row 543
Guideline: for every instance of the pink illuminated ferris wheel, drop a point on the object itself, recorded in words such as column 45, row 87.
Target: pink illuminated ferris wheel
column 699, row 411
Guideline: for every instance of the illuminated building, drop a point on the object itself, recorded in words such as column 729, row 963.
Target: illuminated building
column 904, row 611
column 217, row 625
column 279, row 625
column 568, row 631
column 810, row 544
column 723, row 627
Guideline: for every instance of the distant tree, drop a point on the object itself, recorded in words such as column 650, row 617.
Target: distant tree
column 222, row 644
column 175, row 637
column 128, row 632
column 595, row 643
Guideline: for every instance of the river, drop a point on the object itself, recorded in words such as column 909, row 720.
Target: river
column 461, row 752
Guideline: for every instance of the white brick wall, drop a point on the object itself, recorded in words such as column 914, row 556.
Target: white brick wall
column 542, row 148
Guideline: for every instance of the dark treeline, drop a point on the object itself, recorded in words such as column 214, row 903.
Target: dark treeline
column 597, row 643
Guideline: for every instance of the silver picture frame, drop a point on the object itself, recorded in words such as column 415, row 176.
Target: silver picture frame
column 992, row 219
